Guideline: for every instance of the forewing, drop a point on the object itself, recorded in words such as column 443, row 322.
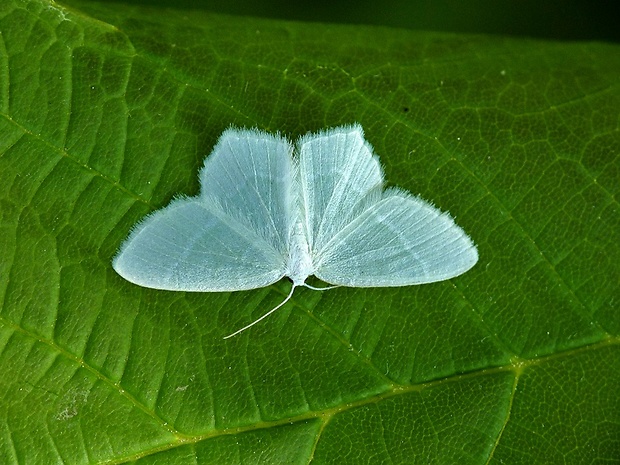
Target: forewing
column 189, row 246
column 249, row 175
column 399, row 241
column 338, row 178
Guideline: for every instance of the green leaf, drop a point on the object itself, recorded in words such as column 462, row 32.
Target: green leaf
column 108, row 113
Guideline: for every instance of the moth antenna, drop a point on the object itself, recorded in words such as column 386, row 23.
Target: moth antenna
column 320, row 288
column 288, row 297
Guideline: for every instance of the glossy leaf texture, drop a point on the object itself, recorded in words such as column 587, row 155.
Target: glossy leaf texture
column 107, row 113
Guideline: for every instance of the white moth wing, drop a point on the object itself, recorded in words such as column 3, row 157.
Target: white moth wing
column 250, row 176
column 399, row 241
column 191, row 246
column 339, row 176
column 233, row 236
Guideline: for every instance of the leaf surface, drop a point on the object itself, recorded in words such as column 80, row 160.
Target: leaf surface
column 107, row 113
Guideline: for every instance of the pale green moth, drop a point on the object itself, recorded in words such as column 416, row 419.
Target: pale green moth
column 269, row 209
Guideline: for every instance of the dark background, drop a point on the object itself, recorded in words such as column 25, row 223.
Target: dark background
column 549, row 19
